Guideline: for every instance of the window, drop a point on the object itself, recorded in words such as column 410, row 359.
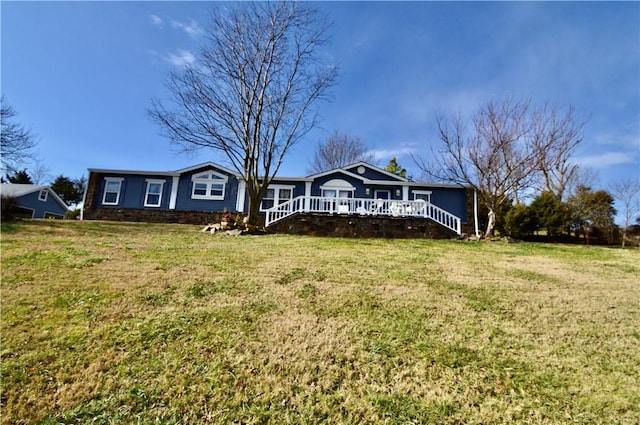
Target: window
column 335, row 193
column 153, row 197
column 209, row 185
column 112, row 188
column 276, row 195
column 422, row 195
column 43, row 195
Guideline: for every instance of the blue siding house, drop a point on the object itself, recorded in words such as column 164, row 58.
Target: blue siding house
column 35, row 201
column 358, row 189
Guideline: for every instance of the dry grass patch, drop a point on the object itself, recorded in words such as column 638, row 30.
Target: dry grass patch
column 121, row 323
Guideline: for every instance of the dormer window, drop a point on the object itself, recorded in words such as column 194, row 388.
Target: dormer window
column 209, row 185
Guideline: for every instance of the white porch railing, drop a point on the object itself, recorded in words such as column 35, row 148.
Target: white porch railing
column 361, row 206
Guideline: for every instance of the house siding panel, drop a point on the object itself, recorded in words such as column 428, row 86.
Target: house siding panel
column 450, row 199
column 132, row 190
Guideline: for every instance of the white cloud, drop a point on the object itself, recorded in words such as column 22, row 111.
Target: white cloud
column 181, row 59
column 156, row 20
column 193, row 29
column 607, row 159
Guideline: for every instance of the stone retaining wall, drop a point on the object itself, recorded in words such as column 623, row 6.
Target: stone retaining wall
column 361, row 227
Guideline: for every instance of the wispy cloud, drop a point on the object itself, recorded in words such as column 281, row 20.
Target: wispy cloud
column 156, row 20
column 607, row 159
column 181, row 59
column 193, row 29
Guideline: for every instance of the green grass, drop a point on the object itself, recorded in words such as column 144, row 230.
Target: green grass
column 129, row 323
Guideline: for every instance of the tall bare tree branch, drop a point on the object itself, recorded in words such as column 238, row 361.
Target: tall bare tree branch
column 557, row 136
column 503, row 153
column 338, row 150
column 251, row 90
column 628, row 193
column 492, row 155
column 16, row 142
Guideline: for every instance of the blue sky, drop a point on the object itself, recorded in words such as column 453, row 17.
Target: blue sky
column 81, row 75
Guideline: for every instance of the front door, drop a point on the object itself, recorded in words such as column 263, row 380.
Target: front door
column 382, row 194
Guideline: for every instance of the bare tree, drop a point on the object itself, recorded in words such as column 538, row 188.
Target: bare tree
column 494, row 158
column 628, row 193
column 250, row 92
column 16, row 142
column 556, row 137
column 338, row 150
column 40, row 172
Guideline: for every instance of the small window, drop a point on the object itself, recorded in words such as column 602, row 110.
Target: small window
column 112, row 191
column 43, row 195
column 209, row 185
column 153, row 197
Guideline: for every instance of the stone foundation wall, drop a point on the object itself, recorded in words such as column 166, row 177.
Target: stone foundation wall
column 153, row 216
column 361, row 227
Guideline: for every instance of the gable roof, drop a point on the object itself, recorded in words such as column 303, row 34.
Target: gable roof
column 375, row 168
column 347, row 170
column 167, row 173
column 19, row 190
column 208, row 164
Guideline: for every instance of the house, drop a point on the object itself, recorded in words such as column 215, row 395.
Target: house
column 197, row 194
column 35, row 201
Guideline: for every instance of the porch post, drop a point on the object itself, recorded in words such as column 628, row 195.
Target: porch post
column 307, row 194
column 242, row 190
column 475, row 212
column 174, row 192
column 405, row 193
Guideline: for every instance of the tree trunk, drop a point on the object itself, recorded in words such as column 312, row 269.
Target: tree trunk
column 253, row 217
column 491, row 223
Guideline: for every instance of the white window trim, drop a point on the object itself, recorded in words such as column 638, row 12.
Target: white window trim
column 276, row 194
column 44, row 215
column 422, row 192
column 209, row 182
column 107, row 180
column 45, row 197
column 146, row 195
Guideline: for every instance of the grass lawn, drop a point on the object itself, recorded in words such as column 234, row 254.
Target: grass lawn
column 129, row 323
